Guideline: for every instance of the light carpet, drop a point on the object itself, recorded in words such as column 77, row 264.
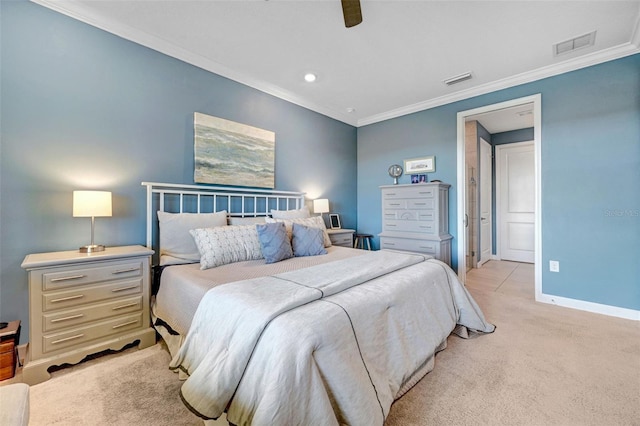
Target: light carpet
column 544, row 365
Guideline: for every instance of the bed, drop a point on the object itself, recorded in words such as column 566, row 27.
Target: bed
column 324, row 339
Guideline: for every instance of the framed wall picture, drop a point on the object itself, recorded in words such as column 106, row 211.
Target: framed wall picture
column 230, row 153
column 334, row 220
column 420, row 165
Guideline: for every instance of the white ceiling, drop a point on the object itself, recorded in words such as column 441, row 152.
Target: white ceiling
column 392, row 64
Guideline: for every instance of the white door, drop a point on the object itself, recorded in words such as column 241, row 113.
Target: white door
column 486, row 215
column 516, row 195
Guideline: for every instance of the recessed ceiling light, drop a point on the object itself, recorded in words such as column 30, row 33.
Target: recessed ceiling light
column 310, row 77
column 350, row 110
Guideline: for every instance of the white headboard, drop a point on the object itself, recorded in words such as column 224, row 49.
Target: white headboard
column 238, row 202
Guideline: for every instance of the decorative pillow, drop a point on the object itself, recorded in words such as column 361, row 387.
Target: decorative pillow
column 313, row 222
column 245, row 220
column 176, row 245
column 291, row 214
column 274, row 242
column 226, row 244
column 307, row 241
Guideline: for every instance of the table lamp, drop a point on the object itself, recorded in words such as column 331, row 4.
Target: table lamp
column 321, row 206
column 91, row 204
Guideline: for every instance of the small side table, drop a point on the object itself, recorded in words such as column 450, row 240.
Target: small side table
column 9, row 337
column 362, row 240
column 341, row 237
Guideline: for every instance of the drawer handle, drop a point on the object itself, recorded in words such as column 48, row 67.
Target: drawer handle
column 425, row 227
column 391, row 193
column 124, row 324
column 64, row 299
column 128, row 305
column 116, row 290
column 67, row 318
column 420, row 204
column 394, row 204
column 124, row 271
column 424, row 192
column 389, row 244
column 391, row 224
column 72, row 277
column 77, row 336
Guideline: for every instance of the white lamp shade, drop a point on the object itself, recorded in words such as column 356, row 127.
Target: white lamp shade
column 91, row 204
column 321, row 205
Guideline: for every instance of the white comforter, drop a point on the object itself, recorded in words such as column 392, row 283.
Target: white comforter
column 330, row 344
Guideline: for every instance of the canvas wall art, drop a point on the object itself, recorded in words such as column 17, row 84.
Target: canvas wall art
column 230, row 153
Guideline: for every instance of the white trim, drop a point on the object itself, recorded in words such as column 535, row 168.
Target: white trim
column 588, row 60
column 78, row 11
column 461, row 175
column 596, row 308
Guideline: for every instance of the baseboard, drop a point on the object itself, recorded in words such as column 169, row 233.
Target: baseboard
column 22, row 353
column 596, row 308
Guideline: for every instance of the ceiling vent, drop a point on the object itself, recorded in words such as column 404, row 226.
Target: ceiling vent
column 458, row 79
column 575, row 43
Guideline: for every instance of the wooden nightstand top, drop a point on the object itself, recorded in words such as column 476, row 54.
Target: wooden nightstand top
column 10, row 329
column 39, row 260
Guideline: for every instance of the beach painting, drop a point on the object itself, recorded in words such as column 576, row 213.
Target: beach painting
column 230, row 153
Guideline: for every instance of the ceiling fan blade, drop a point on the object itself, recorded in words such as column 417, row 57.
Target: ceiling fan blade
column 352, row 13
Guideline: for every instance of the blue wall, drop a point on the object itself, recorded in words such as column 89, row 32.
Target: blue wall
column 590, row 175
column 82, row 108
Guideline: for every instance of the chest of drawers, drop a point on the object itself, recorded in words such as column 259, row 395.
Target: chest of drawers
column 415, row 218
column 83, row 303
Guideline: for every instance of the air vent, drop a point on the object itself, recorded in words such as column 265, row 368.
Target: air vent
column 575, row 43
column 458, row 79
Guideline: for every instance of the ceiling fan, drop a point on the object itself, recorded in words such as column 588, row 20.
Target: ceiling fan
column 352, row 13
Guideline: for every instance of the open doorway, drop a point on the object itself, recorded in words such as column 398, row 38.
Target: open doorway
column 478, row 224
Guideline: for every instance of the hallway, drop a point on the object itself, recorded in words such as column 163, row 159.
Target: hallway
column 501, row 276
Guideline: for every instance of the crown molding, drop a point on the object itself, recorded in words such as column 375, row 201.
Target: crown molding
column 79, row 12
column 595, row 58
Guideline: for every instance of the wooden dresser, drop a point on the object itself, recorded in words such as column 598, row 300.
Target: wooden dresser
column 83, row 303
column 415, row 218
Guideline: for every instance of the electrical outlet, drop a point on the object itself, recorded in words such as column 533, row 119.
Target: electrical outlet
column 554, row 266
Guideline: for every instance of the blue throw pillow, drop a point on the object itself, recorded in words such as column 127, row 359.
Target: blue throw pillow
column 274, row 242
column 307, row 241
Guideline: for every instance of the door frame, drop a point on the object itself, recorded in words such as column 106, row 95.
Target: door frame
column 498, row 173
column 536, row 100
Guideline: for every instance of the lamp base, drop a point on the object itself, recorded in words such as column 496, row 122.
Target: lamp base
column 91, row 248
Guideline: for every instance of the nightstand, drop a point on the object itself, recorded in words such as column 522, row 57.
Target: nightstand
column 341, row 237
column 9, row 337
column 83, row 303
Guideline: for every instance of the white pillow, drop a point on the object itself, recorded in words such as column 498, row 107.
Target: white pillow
column 245, row 220
column 291, row 214
column 227, row 244
column 312, row 222
column 176, row 244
